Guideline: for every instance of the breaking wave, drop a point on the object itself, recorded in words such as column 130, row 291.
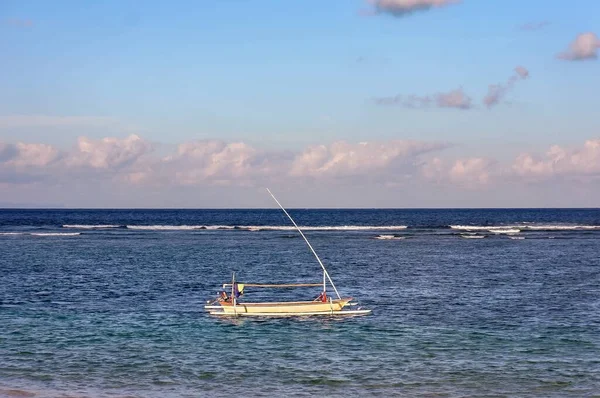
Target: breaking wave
column 55, row 233
column 328, row 228
column 241, row 227
column 390, row 237
column 171, row 227
column 472, row 236
column 40, row 233
column 562, row 227
column 100, row 226
column 525, row 227
column 508, row 229
column 505, row 230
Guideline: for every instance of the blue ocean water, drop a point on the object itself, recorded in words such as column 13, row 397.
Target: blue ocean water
column 481, row 303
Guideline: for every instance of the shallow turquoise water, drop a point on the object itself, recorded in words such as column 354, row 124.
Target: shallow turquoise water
column 118, row 311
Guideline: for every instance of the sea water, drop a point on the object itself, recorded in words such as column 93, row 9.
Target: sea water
column 102, row 303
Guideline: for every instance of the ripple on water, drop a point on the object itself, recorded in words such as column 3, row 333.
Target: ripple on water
column 119, row 313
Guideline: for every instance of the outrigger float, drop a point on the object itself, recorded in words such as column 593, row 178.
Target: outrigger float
column 230, row 305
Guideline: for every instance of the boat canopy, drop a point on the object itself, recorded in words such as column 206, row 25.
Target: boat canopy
column 276, row 285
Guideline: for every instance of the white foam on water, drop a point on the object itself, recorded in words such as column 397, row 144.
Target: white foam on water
column 505, row 231
column 562, row 227
column 40, row 233
column 55, row 233
column 517, row 237
column 526, row 227
column 267, row 227
column 327, row 228
column 82, row 226
column 472, row 236
column 389, row 237
column 213, row 227
column 166, row 227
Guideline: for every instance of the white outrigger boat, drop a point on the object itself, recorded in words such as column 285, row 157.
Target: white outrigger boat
column 230, row 305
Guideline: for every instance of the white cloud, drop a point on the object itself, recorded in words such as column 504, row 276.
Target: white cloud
column 227, row 163
column 116, row 164
column 342, row 159
column 26, row 163
column 471, row 171
column 7, row 151
column 560, row 161
column 196, row 162
column 37, row 155
column 585, row 46
column 108, row 156
column 457, row 98
column 207, row 162
column 107, row 153
column 433, row 169
column 467, row 172
column 400, row 8
column 452, row 99
column 497, row 91
column 522, row 72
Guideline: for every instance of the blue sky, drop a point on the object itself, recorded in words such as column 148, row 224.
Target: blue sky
column 282, row 76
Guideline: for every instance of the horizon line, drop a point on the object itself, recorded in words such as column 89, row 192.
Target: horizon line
column 298, row 208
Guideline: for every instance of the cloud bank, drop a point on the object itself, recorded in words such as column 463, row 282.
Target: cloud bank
column 561, row 162
column 206, row 162
column 365, row 159
column 132, row 172
column 467, row 172
column 132, row 160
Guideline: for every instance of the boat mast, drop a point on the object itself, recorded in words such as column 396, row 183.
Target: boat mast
column 233, row 298
column 325, row 273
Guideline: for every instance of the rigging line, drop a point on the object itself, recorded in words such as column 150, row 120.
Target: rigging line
column 307, row 242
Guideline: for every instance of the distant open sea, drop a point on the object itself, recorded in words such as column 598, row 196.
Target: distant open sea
column 466, row 303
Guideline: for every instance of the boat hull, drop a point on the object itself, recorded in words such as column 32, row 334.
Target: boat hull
column 293, row 308
column 347, row 313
